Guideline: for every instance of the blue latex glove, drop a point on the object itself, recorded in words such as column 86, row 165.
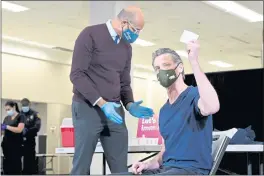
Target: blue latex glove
column 25, row 130
column 140, row 111
column 110, row 112
column 3, row 127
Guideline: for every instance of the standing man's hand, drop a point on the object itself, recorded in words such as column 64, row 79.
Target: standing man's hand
column 109, row 110
column 139, row 111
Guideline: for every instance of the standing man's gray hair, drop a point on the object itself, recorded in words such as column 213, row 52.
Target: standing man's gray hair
column 167, row 51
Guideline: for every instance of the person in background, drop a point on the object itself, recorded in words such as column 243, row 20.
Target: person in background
column 32, row 127
column 185, row 120
column 100, row 75
column 12, row 128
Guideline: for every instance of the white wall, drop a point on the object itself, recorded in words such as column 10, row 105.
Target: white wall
column 41, row 81
column 37, row 78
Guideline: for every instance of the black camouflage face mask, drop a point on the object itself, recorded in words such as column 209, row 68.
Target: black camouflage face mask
column 167, row 77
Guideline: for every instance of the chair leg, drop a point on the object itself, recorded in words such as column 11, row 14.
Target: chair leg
column 227, row 172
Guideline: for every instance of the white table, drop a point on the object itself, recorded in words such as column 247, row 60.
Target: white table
column 258, row 148
column 131, row 149
column 156, row 148
column 252, row 148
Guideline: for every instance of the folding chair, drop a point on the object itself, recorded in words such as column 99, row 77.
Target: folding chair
column 220, row 143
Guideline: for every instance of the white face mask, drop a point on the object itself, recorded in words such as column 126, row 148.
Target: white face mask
column 10, row 112
column 25, row 109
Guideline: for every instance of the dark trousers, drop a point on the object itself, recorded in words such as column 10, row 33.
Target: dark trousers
column 167, row 171
column 90, row 124
column 12, row 164
column 29, row 157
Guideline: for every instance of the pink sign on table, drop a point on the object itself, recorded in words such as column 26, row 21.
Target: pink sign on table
column 149, row 128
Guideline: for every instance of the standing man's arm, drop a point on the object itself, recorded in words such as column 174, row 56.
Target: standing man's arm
column 208, row 102
column 82, row 56
column 127, row 99
column 126, row 91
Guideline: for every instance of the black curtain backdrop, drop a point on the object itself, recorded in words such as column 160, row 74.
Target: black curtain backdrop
column 241, row 105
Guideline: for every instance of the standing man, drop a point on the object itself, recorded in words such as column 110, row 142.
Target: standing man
column 32, row 127
column 100, row 75
column 185, row 120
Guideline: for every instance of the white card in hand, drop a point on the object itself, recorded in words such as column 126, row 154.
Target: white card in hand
column 188, row 36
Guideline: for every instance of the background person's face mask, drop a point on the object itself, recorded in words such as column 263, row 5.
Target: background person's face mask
column 10, row 112
column 25, row 108
column 167, row 77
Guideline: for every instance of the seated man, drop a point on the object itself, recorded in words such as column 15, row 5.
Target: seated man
column 185, row 120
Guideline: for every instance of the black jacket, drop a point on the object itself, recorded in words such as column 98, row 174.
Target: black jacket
column 32, row 123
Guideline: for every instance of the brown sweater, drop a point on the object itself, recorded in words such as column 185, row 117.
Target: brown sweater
column 100, row 67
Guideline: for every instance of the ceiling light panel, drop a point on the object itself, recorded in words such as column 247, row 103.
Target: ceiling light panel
column 13, row 7
column 237, row 10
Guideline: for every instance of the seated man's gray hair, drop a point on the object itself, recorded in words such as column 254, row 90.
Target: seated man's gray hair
column 175, row 57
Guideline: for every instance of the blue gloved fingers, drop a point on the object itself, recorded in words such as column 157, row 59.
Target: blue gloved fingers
column 138, row 102
column 109, row 110
column 117, row 118
column 145, row 110
column 148, row 113
column 116, row 105
column 145, row 115
column 140, row 111
column 114, row 119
